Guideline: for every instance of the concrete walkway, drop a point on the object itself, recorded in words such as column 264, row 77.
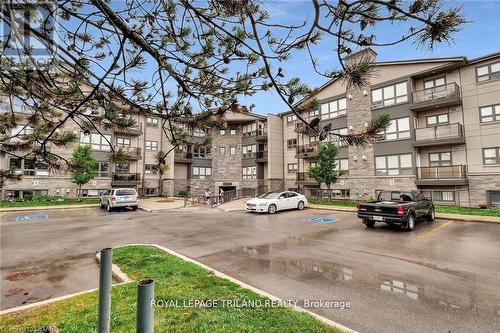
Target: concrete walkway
column 16, row 209
column 159, row 204
column 232, row 206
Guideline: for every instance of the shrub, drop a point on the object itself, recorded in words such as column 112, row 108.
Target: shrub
column 182, row 193
column 46, row 198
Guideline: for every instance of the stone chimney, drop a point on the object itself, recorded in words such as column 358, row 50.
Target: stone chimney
column 362, row 54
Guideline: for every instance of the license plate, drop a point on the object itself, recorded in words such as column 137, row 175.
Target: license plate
column 378, row 218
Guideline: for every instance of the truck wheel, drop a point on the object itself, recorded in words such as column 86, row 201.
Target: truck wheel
column 432, row 214
column 410, row 224
column 369, row 223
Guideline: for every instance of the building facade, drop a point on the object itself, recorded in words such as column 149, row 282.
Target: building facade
column 444, row 140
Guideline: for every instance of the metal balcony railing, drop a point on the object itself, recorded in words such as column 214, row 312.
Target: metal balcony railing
column 307, row 148
column 249, row 155
column 135, row 129
column 126, row 177
column 304, row 177
column 133, row 152
column 442, row 172
column 448, row 131
column 450, row 90
column 183, row 155
column 261, row 155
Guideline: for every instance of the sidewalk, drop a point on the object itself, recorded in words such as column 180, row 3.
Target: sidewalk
column 232, row 206
column 159, row 204
column 16, row 209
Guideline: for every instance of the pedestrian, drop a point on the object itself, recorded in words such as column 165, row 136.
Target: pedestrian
column 207, row 196
column 221, row 195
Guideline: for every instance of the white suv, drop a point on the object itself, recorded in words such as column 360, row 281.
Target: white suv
column 119, row 198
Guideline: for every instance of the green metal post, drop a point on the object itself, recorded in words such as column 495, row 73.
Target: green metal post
column 145, row 309
column 103, row 321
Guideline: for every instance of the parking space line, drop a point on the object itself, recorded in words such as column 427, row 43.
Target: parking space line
column 2, row 214
column 434, row 230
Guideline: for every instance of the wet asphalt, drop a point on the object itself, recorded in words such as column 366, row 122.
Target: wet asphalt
column 443, row 277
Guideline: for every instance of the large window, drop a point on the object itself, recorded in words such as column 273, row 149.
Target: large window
column 342, row 164
column 291, row 119
column 222, row 151
column 249, row 150
column 292, row 167
column 439, row 119
column 336, row 139
column 201, row 151
column 333, row 109
column 445, row 196
column 21, row 130
column 151, row 145
column 250, row 129
column 433, row 83
column 488, row 72
column 199, row 133
column 202, row 172
column 398, row 129
column 102, row 169
column 96, row 140
column 123, row 142
column 29, row 167
column 440, row 159
column 393, row 165
column 490, row 113
column 150, row 169
column 122, row 167
column 291, row 144
column 390, row 95
column 153, row 122
column 250, row 172
column 491, row 156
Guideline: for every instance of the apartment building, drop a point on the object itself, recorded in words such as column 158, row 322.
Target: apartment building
column 444, row 140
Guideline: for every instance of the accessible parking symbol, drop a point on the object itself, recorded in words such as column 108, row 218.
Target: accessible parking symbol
column 323, row 220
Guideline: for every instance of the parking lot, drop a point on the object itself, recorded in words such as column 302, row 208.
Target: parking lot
column 441, row 277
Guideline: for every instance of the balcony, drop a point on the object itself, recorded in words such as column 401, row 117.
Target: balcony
column 442, row 175
column 308, row 151
column 134, row 130
column 261, row 134
column 125, row 178
column 261, row 156
column 249, row 155
column 304, row 179
column 437, row 97
column 439, row 135
column 301, row 127
column 134, row 153
column 183, row 157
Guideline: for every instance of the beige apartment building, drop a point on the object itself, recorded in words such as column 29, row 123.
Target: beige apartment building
column 444, row 140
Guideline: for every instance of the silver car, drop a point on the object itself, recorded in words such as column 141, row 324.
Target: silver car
column 119, row 198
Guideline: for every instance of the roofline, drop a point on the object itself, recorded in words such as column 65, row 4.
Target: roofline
column 418, row 61
column 482, row 58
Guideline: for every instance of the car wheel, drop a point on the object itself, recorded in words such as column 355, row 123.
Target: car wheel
column 134, row 207
column 109, row 208
column 300, row 205
column 271, row 209
column 369, row 223
column 410, row 224
column 100, row 204
column 432, row 214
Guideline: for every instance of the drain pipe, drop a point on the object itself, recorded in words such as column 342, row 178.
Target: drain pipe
column 103, row 321
column 145, row 310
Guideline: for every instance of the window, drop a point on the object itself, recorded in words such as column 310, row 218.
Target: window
column 151, row 191
column 440, row 159
column 342, row 164
column 199, row 133
column 90, row 192
column 393, row 165
column 102, row 169
column 21, row 130
column 29, row 167
column 249, row 151
column 222, row 132
column 150, row 169
column 4, row 103
column 491, row 156
column 398, row 129
column 232, row 150
column 312, row 139
column 490, row 113
column 433, row 83
column 488, row 72
column 122, row 167
column 151, row 145
column 96, row 140
column 123, row 142
column 291, row 144
column 222, row 151
column 201, row 151
column 232, row 131
column 390, row 95
column 437, row 119
column 250, row 172
column 291, row 119
column 336, row 139
column 446, row 196
column 292, row 167
column 153, row 122
column 494, row 198
column 250, row 129
column 334, row 109
column 202, row 172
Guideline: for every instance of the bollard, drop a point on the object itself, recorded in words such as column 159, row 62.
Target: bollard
column 103, row 321
column 145, row 310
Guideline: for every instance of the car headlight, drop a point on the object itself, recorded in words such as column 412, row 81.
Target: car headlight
column 263, row 204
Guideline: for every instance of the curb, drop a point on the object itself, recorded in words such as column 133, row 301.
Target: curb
column 115, row 271
column 20, row 209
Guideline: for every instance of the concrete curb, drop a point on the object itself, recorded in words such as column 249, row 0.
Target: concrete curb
column 465, row 218
column 19, row 209
column 115, row 270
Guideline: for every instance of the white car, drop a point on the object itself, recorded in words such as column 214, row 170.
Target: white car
column 271, row 202
column 119, row 198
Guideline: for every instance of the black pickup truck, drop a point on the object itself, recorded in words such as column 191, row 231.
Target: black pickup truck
column 396, row 207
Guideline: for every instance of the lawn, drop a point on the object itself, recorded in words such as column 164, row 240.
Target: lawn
column 5, row 204
column 175, row 279
column 440, row 209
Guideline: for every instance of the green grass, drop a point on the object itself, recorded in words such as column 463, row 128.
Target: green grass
column 443, row 209
column 174, row 280
column 5, row 204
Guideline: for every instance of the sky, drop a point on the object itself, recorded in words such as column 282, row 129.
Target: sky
column 479, row 37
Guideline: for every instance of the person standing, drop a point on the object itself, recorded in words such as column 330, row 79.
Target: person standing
column 221, row 195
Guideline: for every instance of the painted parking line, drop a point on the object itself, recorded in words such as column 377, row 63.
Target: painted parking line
column 434, row 230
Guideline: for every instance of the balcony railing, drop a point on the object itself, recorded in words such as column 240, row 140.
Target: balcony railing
column 442, row 172
column 183, row 156
column 450, row 133
column 262, row 134
column 119, row 177
column 249, row 155
column 135, row 129
column 304, row 178
column 134, row 153
column 261, row 156
column 307, row 151
column 446, row 95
